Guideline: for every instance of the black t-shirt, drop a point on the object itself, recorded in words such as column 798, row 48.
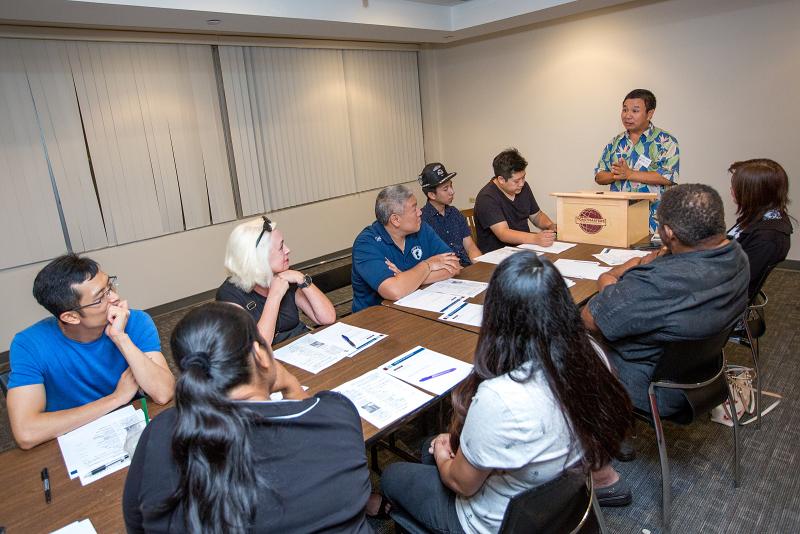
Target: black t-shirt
column 493, row 206
column 288, row 324
column 309, row 453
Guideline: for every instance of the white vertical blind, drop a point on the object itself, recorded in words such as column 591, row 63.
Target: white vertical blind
column 385, row 116
column 53, row 90
column 298, row 112
column 31, row 229
column 143, row 107
column 311, row 124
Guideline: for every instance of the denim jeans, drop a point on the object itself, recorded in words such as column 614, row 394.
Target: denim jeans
column 417, row 490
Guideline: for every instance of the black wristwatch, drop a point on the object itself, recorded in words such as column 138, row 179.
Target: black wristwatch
column 307, row 281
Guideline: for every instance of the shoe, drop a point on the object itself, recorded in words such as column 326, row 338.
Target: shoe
column 627, row 452
column 617, row 494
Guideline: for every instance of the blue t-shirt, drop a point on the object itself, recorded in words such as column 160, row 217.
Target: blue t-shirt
column 374, row 246
column 74, row 373
column 452, row 227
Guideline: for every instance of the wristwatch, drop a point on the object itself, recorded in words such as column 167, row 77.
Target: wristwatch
column 307, row 281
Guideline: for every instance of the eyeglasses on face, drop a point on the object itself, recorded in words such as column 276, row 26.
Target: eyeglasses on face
column 112, row 286
column 266, row 228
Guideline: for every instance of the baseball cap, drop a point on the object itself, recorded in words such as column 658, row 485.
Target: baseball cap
column 434, row 174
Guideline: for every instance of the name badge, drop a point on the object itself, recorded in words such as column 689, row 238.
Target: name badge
column 642, row 163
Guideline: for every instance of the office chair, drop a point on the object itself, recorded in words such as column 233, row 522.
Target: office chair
column 469, row 214
column 697, row 369
column 4, row 382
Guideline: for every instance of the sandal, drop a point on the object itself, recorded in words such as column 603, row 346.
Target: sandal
column 383, row 509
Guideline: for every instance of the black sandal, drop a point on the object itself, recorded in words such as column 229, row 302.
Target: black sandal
column 383, row 509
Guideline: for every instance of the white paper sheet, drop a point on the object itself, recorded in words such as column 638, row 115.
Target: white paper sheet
column 590, row 270
column 618, row 256
column 338, row 335
column 496, row 256
column 97, row 449
column 430, row 301
column 569, row 282
column 84, row 526
column 461, row 288
column 429, row 370
column 310, row 353
column 466, row 313
column 382, row 399
column 556, row 248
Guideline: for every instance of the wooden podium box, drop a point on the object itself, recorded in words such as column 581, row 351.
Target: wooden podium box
column 603, row 217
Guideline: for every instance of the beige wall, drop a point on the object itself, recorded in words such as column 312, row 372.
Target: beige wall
column 725, row 73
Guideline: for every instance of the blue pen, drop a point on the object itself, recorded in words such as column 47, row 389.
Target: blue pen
column 349, row 342
column 456, row 310
column 454, row 301
column 407, row 356
column 440, row 373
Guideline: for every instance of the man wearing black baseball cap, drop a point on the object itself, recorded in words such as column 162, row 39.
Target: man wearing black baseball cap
column 448, row 222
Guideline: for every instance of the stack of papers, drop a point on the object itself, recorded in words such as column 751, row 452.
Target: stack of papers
column 590, row 270
column 556, row 248
column 458, row 287
column 382, row 399
column 429, row 370
column 465, row 313
column 318, row 351
column 496, row 256
column 618, row 256
column 430, row 301
column 97, row 449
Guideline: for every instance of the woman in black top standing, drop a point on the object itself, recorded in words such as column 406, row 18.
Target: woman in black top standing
column 260, row 281
column 760, row 188
column 227, row 459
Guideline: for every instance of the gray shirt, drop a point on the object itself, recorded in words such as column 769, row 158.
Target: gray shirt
column 677, row 297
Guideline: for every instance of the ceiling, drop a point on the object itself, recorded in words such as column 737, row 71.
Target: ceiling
column 412, row 21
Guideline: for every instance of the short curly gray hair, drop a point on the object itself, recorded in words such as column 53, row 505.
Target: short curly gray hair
column 390, row 201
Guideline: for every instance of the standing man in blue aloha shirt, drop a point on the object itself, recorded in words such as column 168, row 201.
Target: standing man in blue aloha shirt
column 643, row 158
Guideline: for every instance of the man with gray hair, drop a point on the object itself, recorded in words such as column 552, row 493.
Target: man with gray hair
column 397, row 253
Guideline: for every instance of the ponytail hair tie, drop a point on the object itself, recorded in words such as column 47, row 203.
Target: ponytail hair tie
column 199, row 359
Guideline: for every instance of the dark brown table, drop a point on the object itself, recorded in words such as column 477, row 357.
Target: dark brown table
column 22, row 505
column 581, row 292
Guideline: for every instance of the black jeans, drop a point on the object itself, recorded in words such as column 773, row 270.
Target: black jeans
column 417, row 490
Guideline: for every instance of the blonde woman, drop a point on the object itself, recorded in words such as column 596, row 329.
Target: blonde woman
column 260, row 281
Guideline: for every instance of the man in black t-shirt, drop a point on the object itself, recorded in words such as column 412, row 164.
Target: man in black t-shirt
column 504, row 206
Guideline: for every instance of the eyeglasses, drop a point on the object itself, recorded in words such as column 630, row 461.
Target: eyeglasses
column 266, row 228
column 112, row 286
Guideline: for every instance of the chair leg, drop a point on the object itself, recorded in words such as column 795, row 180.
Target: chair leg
column 666, row 489
column 598, row 513
column 735, row 421
column 753, row 344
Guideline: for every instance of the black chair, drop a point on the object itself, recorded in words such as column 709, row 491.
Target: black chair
column 753, row 327
column 4, row 382
column 697, row 369
column 334, row 279
column 565, row 504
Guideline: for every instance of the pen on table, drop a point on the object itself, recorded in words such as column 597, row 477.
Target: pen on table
column 146, row 413
column 407, row 356
column 106, row 466
column 349, row 342
column 440, row 373
column 46, row 483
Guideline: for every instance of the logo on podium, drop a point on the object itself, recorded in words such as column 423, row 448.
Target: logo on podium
column 590, row 220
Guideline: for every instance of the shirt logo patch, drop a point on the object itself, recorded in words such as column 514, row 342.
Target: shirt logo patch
column 378, row 238
column 416, row 252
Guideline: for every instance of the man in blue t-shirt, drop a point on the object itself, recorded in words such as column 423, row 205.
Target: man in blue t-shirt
column 398, row 252
column 449, row 223
column 90, row 358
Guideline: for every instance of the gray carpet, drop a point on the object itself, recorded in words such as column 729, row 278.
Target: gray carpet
column 704, row 499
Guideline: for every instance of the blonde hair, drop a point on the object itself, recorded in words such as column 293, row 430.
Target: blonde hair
column 248, row 265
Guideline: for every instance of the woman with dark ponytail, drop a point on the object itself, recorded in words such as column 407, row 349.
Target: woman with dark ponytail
column 538, row 401
column 227, row 459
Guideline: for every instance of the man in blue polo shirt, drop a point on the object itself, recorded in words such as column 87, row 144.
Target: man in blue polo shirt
column 449, row 223
column 398, row 252
column 90, row 358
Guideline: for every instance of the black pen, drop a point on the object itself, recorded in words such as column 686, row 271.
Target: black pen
column 106, row 466
column 46, row 483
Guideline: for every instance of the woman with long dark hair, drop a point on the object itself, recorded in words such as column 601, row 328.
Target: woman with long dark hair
column 760, row 189
column 227, row 459
column 538, row 401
